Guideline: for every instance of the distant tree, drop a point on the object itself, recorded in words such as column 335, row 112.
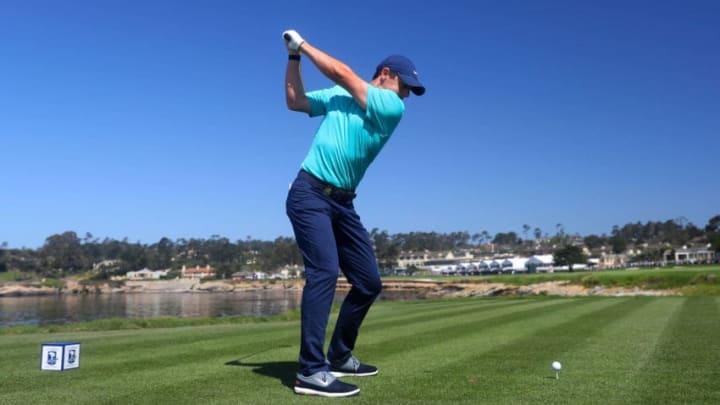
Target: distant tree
column 713, row 224
column 649, row 255
column 507, row 239
column 537, row 232
column 165, row 251
column 220, row 250
column 526, row 229
column 594, row 241
column 67, row 253
column 411, row 270
column 64, row 252
column 387, row 249
column 286, row 252
column 3, row 265
column 715, row 242
column 485, row 235
column 619, row 244
column 712, row 230
column 569, row 255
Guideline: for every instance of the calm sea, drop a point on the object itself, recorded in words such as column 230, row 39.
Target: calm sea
column 59, row 309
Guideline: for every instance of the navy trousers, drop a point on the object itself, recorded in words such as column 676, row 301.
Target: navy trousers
column 331, row 237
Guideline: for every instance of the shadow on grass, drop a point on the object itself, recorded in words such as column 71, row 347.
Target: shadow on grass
column 282, row 370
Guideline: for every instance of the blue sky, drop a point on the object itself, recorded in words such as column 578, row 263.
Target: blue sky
column 151, row 119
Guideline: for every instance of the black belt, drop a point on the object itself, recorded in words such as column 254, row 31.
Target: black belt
column 336, row 193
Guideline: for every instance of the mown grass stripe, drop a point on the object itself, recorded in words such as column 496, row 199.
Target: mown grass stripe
column 213, row 379
column 428, row 314
column 425, row 335
column 166, row 368
column 685, row 365
column 398, row 313
column 519, row 371
column 606, row 364
column 127, row 342
column 481, row 360
column 103, row 353
column 122, row 350
column 117, row 341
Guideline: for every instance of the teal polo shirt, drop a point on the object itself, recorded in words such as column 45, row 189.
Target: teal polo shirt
column 348, row 138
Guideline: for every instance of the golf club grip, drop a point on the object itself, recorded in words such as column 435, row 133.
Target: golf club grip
column 287, row 37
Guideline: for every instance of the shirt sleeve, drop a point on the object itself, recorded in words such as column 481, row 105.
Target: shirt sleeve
column 318, row 101
column 384, row 109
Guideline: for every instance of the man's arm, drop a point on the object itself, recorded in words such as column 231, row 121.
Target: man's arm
column 332, row 68
column 294, row 89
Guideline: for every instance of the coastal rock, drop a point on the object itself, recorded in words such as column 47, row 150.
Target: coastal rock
column 215, row 286
column 18, row 290
column 422, row 287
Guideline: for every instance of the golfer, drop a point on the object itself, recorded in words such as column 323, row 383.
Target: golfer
column 358, row 119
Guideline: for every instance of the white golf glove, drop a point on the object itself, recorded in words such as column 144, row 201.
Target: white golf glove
column 293, row 40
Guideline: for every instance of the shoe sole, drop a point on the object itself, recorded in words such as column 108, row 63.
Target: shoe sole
column 310, row 391
column 350, row 374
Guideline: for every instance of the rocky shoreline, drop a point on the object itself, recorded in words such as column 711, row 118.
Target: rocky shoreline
column 424, row 288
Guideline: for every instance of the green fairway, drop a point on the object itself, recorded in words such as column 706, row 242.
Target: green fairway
column 613, row 350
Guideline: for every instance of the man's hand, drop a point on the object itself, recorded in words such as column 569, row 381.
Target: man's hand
column 293, row 40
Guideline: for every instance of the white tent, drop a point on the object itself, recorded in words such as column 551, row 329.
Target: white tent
column 515, row 264
column 540, row 263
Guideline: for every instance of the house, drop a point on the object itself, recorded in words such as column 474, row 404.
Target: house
column 691, row 255
column 412, row 259
column 288, row 272
column 612, row 261
column 146, row 274
column 197, row 272
column 249, row 275
column 242, row 275
column 437, row 262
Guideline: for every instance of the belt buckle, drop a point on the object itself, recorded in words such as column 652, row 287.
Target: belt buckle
column 328, row 190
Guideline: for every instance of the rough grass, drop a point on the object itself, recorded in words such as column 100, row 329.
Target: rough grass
column 493, row 351
column 11, row 276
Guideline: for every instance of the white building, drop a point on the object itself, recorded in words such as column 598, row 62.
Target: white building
column 146, row 274
column 692, row 255
column 197, row 272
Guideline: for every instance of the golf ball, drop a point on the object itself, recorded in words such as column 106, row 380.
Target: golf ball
column 556, row 365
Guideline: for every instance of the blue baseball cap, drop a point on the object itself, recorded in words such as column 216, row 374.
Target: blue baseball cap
column 405, row 69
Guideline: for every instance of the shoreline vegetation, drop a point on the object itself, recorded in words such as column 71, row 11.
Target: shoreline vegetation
column 691, row 280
